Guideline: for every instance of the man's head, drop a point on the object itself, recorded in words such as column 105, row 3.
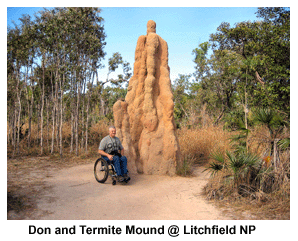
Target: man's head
column 112, row 131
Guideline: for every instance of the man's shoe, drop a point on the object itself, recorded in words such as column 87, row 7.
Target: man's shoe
column 126, row 178
column 121, row 179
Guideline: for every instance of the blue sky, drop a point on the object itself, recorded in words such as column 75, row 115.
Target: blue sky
column 182, row 27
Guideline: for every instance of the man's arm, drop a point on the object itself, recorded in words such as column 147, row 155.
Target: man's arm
column 101, row 152
column 121, row 148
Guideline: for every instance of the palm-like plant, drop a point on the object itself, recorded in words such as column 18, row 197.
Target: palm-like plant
column 271, row 119
column 240, row 141
column 245, row 169
column 239, row 165
column 284, row 143
column 219, row 163
column 275, row 125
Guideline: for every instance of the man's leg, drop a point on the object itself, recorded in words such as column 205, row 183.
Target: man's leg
column 116, row 162
column 107, row 159
column 123, row 162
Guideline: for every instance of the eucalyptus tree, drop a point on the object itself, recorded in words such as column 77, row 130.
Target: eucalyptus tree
column 249, row 66
column 71, row 43
column 116, row 84
column 13, row 83
column 217, row 78
column 86, row 54
column 20, row 60
column 265, row 45
column 182, row 97
column 30, row 63
column 52, row 64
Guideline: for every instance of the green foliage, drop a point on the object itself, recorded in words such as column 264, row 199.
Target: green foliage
column 222, row 73
column 265, row 47
column 114, row 63
column 185, row 168
column 52, row 63
column 239, row 165
column 271, row 119
column 201, row 59
column 249, row 68
column 284, row 143
column 182, row 97
column 219, row 163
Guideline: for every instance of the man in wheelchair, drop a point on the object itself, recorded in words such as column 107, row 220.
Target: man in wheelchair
column 109, row 148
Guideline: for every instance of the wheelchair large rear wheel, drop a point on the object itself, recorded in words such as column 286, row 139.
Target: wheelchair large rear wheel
column 101, row 170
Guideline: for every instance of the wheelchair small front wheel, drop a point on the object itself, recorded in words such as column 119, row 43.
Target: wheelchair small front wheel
column 101, row 170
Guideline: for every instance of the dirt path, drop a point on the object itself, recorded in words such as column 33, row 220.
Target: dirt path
column 75, row 195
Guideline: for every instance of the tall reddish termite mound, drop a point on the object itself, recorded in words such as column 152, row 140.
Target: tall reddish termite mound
column 144, row 121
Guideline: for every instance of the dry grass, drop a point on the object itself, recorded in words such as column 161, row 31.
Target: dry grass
column 270, row 199
column 198, row 144
column 255, row 205
column 96, row 133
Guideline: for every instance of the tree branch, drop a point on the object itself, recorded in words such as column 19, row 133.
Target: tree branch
column 258, row 77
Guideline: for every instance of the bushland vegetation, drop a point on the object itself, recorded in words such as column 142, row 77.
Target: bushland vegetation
column 54, row 97
column 232, row 112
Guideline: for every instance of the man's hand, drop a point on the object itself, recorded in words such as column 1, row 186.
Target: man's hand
column 110, row 157
column 101, row 152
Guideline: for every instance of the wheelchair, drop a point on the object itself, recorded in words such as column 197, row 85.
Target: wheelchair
column 103, row 169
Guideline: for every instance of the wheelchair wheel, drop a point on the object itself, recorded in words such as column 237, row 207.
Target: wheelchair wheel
column 101, row 170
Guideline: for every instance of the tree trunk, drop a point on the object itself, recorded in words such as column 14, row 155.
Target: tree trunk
column 72, row 123
column 203, row 114
column 220, row 116
column 41, row 111
column 30, row 119
column 19, row 113
column 83, row 115
column 19, row 126
column 245, row 102
column 258, row 77
column 53, row 124
column 72, row 131
column 60, row 127
column 41, row 125
column 47, row 105
column 275, row 154
column 8, row 130
column 14, row 129
column 77, row 120
column 61, row 114
column 87, row 118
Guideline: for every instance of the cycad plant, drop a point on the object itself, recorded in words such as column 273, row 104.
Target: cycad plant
column 246, row 169
column 240, row 141
column 274, row 123
column 271, row 119
column 219, row 163
column 284, row 144
column 242, row 167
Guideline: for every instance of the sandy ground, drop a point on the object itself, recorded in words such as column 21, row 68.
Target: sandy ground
column 74, row 194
